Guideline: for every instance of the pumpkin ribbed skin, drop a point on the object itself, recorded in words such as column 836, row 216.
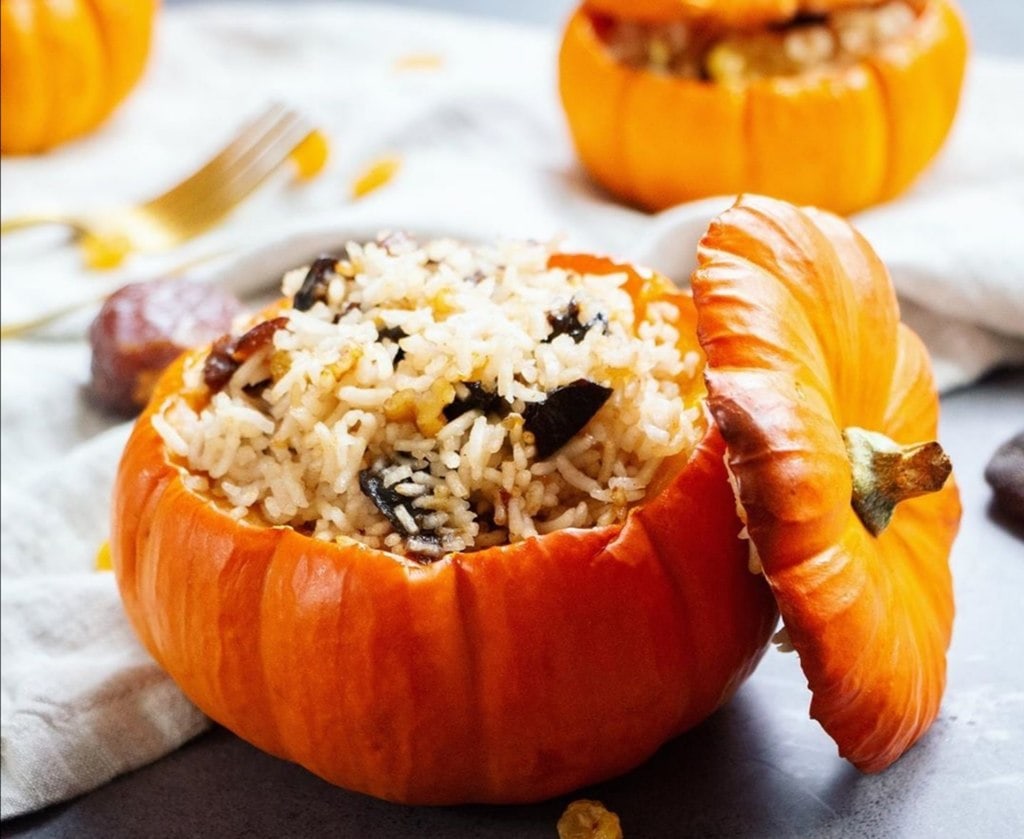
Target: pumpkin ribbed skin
column 802, row 333
column 65, row 66
column 841, row 139
column 509, row 674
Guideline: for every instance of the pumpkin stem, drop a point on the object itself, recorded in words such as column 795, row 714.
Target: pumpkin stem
column 886, row 473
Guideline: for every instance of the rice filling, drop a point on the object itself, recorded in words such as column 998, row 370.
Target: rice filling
column 427, row 399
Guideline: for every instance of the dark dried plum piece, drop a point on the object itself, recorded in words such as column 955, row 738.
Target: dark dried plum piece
column 385, row 499
column 395, row 334
column 388, row 499
column 314, row 286
column 479, row 399
column 567, row 322
column 562, row 414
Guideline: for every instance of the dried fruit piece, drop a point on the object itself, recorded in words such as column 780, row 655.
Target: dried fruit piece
column 567, row 322
column 393, row 334
column 227, row 353
column 473, row 396
column 310, row 155
column 388, row 501
column 103, row 561
column 374, row 176
column 314, row 286
column 421, row 542
column 586, row 819
column 566, row 410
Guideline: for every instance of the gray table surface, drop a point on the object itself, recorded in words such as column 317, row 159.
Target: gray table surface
column 758, row 767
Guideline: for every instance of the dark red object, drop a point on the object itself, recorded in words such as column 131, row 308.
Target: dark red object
column 143, row 327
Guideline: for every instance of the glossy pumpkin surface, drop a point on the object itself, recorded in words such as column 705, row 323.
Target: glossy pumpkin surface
column 803, row 339
column 509, row 674
column 65, row 65
column 841, row 138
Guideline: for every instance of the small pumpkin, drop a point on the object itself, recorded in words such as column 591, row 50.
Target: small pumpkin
column 738, row 108
column 65, row 66
column 512, row 673
column 823, row 398
column 520, row 672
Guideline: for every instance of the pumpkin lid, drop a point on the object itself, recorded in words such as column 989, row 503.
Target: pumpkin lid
column 827, row 405
column 730, row 12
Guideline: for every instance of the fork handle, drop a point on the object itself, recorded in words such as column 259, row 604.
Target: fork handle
column 20, row 222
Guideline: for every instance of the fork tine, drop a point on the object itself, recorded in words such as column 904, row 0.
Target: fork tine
column 244, row 175
column 261, row 162
column 244, row 139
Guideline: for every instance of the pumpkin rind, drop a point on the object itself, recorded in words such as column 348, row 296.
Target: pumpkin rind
column 509, row 674
column 800, row 326
column 842, row 139
column 66, row 66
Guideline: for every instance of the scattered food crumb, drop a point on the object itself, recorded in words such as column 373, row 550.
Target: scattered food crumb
column 586, row 819
column 379, row 173
column 419, row 61
column 310, row 155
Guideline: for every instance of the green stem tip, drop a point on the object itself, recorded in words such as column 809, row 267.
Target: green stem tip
column 886, row 473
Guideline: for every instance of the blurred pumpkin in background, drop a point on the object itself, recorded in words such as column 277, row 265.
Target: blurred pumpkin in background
column 835, row 103
column 65, row 65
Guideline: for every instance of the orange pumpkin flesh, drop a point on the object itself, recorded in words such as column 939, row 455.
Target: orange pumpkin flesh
column 800, row 326
column 66, row 66
column 842, row 138
column 509, row 674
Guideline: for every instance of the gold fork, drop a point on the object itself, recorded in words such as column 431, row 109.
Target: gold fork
column 198, row 202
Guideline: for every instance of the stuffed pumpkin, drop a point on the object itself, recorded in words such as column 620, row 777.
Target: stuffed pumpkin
column 488, row 524
column 835, row 103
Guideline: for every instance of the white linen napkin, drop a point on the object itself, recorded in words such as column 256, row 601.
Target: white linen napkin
column 485, row 154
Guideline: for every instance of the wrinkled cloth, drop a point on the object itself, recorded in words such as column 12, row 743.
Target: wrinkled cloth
column 484, row 153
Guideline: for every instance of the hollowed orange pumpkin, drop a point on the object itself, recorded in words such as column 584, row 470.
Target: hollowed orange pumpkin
column 520, row 672
column 842, row 137
column 65, row 66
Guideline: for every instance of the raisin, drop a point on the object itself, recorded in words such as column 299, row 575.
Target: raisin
column 257, row 338
column 220, row 364
column 227, row 353
column 314, row 286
